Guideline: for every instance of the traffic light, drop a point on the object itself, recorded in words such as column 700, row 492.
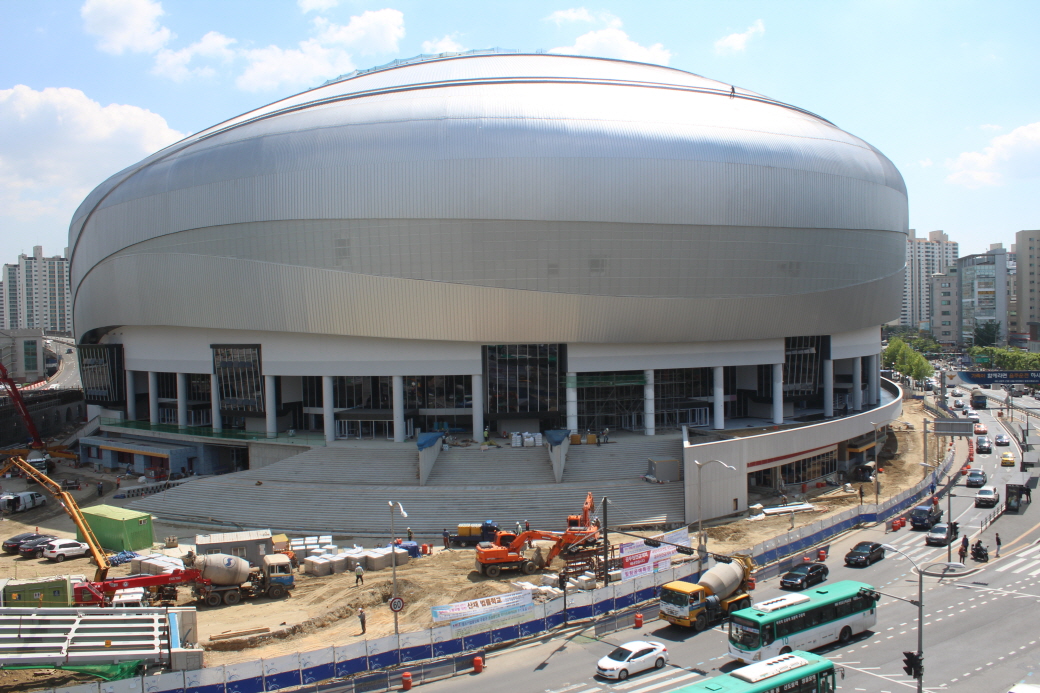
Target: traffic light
column 955, row 527
column 652, row 543
column 869, row 594
column 914, row 664
column 685, row 550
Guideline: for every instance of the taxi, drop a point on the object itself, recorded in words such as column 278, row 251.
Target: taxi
column 980, row 429
column 1007, row 460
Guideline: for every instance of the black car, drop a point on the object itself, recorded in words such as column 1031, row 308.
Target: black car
column 33, row 548
column 14, row 543
column 976, row 478
column 865, row 553
column 805, row 575
column 983, row 445
column 1001, row 439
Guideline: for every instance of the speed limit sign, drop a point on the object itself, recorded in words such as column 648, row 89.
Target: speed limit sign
column 396, row 604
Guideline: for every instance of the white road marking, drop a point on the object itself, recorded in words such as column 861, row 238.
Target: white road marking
column 1027, row 566
column 1012, row 564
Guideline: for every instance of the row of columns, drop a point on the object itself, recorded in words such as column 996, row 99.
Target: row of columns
column 873, row 384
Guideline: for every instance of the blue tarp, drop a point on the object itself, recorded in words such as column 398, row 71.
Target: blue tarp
column 556, row 437
column 428, row 440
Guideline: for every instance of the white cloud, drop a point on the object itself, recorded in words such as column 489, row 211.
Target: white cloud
column 371, row 32
column 58, row 144
column 125, row 25
column 989, row 127
column 274, row 67
column 445, row 44
column 925, row 163
column 1014, row 155
column 575, row 14
column 174, row 64
column 316, row 5
column 612, row 42
column 736, row 43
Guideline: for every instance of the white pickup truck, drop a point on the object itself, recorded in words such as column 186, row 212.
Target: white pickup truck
column 17, row 502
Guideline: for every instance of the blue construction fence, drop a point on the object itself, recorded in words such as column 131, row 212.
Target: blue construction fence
column 421, row 648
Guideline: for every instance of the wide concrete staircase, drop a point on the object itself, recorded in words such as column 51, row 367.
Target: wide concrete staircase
column 624, row 459
column 344, row 491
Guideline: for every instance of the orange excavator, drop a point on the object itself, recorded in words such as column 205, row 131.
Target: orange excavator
column 506, row 551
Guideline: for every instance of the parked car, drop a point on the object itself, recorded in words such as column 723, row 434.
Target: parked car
column 61, row 549
column 980, row 429
column 19, row 502
column 958, row 404
column 865, row 553
column 987, row 497
column 33, row 548
column 631, row 658
column 940, row 535
column 14, row 543
column 1007, row 460
column 976, row 479
column 805, row 575
column 925, row 516
column 1001, row 439
column 983, row 445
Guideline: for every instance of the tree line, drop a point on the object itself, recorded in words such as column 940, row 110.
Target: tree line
column 902, row 358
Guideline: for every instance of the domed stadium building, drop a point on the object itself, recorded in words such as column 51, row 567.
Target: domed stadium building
column 530, row 243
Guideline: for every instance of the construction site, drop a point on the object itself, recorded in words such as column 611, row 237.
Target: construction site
column 302, row 593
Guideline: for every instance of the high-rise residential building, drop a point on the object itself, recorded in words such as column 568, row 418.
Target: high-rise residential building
column 1027, row 246
column 924, row 258
column 983, row 293
column 36, row 293
column 945, row 318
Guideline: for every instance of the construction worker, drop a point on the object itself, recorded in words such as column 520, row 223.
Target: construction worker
column 411, row 536
column 444, row 534
column 359, row 575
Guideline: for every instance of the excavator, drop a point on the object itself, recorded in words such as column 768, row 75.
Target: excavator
column 506, row 551
column 38, row 453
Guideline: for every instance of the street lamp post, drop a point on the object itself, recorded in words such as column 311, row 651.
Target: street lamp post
column 700, row 515
column 920, row 613
column 877, row 491
column 393, row 557
column 949, row 523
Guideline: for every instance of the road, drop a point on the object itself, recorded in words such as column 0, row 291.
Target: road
column 68, row 375
column 980, row 633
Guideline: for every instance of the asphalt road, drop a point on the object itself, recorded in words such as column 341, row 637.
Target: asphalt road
column 68, row 375
column 979, row 630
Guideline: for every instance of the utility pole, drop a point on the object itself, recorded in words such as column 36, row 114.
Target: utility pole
column 606, row 545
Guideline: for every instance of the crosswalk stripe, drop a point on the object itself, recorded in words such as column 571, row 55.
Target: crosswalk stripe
column 667, row 682
column 1012, row 564
column 1027, row 566
column 1029, row 551
column 1035, row 573
column 644, row 679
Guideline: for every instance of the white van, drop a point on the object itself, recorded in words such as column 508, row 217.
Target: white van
column 18, row 502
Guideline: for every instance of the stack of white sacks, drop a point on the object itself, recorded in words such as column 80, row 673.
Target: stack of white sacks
column 331, row 559
column 155, row 564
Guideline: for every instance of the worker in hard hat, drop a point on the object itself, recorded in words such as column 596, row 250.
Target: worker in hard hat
column 411, row 536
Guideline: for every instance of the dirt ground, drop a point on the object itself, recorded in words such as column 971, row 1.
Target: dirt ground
column 322, row 610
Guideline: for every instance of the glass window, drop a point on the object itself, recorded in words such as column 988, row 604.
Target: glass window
column 523, row 378
column 238, row 377
column 102, row 374
column 29, row 353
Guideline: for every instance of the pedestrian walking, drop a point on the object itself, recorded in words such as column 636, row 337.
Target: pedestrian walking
column 411, row 535
column 1028, row 494
column 963, row 552
column 361, row 617
column 998, row 546
column 965, row 542
column 100, row 488
column 444, row 534
column 359, row 575
column 933, row 488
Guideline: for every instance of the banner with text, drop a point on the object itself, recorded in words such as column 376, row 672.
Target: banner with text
column 476, row 607
column 486, row 622
column 638, row 559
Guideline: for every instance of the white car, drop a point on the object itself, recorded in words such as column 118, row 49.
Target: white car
column 60, row 549
column 956, row 393
column 958, row 404
column 631, row 658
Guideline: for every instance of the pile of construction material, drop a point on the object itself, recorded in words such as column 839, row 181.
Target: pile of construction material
column 155, row 564
column 329, row 559
column 526, row 440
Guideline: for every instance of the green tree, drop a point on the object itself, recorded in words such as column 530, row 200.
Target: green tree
column 919, row 368
column 987, row 334
column 892, row 353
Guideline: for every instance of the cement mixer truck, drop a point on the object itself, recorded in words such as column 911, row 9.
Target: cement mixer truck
column 720, row 591
column 229, row 579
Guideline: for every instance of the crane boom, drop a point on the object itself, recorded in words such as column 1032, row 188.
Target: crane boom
column 23, row 411
column 71, row 507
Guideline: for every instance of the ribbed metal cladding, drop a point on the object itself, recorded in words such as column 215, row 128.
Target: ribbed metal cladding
column 623, row 195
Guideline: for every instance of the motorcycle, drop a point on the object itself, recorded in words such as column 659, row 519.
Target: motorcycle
column 980, row 554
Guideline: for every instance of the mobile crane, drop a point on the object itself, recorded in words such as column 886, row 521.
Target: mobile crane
column 505, row 552
column 38, row 453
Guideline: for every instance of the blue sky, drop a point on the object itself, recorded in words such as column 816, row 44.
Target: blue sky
column 945, row 89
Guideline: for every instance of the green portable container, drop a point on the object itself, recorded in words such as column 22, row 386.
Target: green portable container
column 119, row 529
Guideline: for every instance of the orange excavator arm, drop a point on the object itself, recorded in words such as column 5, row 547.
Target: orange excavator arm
column 589, row 536
column 71, row 507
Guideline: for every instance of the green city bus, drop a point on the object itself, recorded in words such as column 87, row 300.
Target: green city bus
column 825, row 614
column 797, row 672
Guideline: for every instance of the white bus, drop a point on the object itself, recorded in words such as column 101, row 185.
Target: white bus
column 819, row 616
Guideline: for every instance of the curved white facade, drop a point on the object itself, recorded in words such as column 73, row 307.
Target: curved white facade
column 518, row 198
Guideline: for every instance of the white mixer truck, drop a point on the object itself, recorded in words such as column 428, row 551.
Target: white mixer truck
column 720, row 591
column 229, row 578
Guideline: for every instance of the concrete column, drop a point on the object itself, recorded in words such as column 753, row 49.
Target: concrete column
column 270, row 406
column 214, row 402
column 649, row 423
column 182, row 400
column 828, row 388
column 153, row 397
column 477, row 388
column 719, row 395
column 572, row 403
column 873, row 381
column 328, row 414
column 857, row 383
column 778, row 393
column 398, row 408
column 131, row 397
